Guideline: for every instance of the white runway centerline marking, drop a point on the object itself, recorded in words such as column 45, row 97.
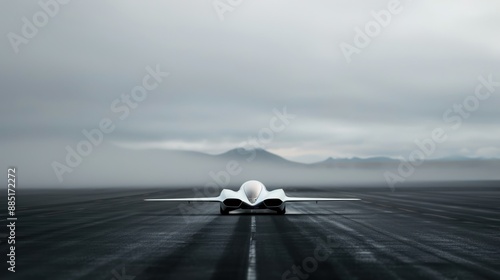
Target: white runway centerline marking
column 251, row 252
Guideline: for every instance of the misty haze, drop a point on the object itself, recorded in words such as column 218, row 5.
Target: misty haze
column 250, row 139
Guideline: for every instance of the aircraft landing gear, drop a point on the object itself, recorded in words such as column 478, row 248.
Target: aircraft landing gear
column 223, row 212
column 281, row 212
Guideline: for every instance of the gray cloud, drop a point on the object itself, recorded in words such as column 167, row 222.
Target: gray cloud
column 226, row 77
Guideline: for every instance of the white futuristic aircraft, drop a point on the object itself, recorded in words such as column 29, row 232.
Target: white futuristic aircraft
column 252, row 195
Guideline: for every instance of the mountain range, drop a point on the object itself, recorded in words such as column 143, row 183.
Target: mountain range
column 112, row 165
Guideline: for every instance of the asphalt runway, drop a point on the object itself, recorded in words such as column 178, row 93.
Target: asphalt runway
column 412, row 233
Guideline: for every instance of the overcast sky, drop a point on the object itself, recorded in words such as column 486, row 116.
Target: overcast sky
column 227, row 76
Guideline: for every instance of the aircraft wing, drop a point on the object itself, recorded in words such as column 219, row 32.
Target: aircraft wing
column 298, row 199
column 192, row 199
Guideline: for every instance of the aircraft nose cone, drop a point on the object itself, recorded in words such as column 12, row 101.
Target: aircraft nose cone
column 252, row 190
